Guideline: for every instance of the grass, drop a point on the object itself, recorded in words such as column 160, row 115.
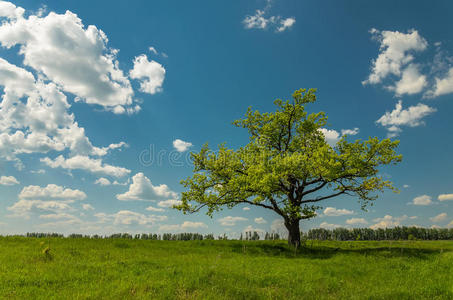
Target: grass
column 56, row 268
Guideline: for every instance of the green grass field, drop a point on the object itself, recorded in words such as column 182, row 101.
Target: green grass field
column 143, row 269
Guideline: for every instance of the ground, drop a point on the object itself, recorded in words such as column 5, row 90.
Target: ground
column 56, row 268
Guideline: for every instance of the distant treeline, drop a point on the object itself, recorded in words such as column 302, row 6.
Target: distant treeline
column 368, row 234
column 338, row 234
column 252, row 236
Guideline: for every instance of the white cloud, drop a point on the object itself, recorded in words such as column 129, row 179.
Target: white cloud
column 257, row 20
column 40, row 171
column 260, row 220
column 155, row 209
column 445, row 197
column 439, row 218
column 8, row 180
column 51, row 191
column 250, row 228
column 127, row 217
column 193, row 225
column 85, row 163
column 141, row 188
column 285, row 24
column 34, row 118
column 422, row 200
column 334, row 212
column 387, row 221
column 246, row 208
column 396, row 50
column 102, row 181
column 443, row 85
column 10, row 11
column 181, row 146
column 332, row 136
column 354, row 221
column 278, row 226
column 328, row 225
column 412, row 117
column 411, row 82
column 51, row 198
column 231, row 221
column 185, row 226
column 406, row 186
column 23, row 208
column 92, row 73
column 150, row 73
column 260, row 21
column 169, row 203
column 87, row 206
column 350, row 131
column 58, row 216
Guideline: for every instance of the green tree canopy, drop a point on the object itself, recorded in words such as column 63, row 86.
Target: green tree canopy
column 287, row 166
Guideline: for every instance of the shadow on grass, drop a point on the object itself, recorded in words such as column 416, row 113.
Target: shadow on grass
column 326, row 252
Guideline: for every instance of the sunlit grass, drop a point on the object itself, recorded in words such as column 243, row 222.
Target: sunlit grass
column 143, row 269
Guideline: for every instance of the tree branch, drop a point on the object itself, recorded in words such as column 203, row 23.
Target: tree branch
column 324, row 198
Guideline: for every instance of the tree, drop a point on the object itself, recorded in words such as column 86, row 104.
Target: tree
column 287, row 166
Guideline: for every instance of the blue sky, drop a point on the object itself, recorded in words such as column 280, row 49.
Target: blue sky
column 90, row 89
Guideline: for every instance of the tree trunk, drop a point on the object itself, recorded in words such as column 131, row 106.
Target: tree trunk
column 293, row 232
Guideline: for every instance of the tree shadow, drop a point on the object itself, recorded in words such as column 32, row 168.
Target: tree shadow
column 326, row 252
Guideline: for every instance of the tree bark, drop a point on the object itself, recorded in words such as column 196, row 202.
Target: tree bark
column 293, row 232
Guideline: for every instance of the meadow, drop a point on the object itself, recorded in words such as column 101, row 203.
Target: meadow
column 83, row 268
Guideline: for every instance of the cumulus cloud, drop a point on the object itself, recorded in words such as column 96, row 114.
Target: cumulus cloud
column 185, row 226
column 23, row 208
column 445, row 197
column 260, row 220
column 285, row 24
column 127, row 217
column 102, row 181
column 51, row 191
column 439, row 218
column 395, row 52
column 259, row 20
column 181, row 146
column 388, row 221
column 334, row 212
column 193, row 225
column 355, row 221
column 443, row 85
column 80, row 162
column 87, row 206
column 328, row 225
column 231, row 221
column 51, row 198
column 151, row 74
column 411, row 82
column 141, row 188
column 155, row 209
column 10, row 11
column 332, row 136
column 8, row 180
column 422, row 200
column 278, row 226
column 41, row 123
column 412, row 117
column 75, row 57
column 169, row 203
column 34, row 118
